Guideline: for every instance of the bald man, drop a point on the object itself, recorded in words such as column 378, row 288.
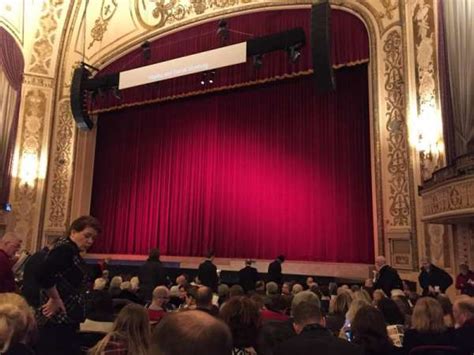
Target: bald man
column 10, row 244
column 386, row 278
column 191, row 332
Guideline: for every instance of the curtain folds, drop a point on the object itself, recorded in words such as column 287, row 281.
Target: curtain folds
column 11, row 66
column 254, row 172
column 349, row 47
column 459, row 32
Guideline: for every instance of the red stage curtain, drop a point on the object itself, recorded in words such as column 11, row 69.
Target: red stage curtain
column 254, row 172
column 349, row 46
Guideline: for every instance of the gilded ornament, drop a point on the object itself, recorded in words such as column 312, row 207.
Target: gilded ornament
column 107, row 11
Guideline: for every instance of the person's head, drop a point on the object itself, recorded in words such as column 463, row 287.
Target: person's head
column 83, row 231
column 271, row 288
column 182, row 292
column 223, row 290
column 248, row 262
column 135, row 283
column 191, row 332
column 204, row 297
column 260, row 286
column 10, row 243
column 160, row 296
column 341, row 303
column 181, row 280
column 463, row 269
column 297, row 288
column 362, row 295
column 243, row 318
column 210, row 255
column 425, row 263
column 116, row 282
column 428, row 316
column 463, row 310
column 105, row 274
column 390, row 311
column 354, row 308
column 133, row 325
column 126, row 285
column 304, row 296
column 306, row 313
column 370, row 332
column 236, row 290
column 17, row 321
column 378, row 295
column 99, row 284
column 280, row 259
column 191, row 295
column 286, row 288
column 309, row 281
column 154, row 254
column 380, row 261
column 271, row 335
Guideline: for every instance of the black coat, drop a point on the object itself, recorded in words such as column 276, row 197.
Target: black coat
column 464, row 338
column 274, row 272
column 152, row 273
column 435, row 277
column 248, row 277
column 31, row 288
column 388, row 280
column 207, row 274
column 315, row 339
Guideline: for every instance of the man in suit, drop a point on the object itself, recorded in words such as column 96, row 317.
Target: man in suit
column 312, row 336
column 152, row 273
column 207, row 272
column 433, row 280
column 248, row 276
column 386, row 278
column 274, row 270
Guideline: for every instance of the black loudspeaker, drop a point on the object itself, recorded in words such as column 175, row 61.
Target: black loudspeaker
column 321, row 46
column 78, row 98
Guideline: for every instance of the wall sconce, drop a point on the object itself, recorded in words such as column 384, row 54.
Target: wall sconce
column 28, row 169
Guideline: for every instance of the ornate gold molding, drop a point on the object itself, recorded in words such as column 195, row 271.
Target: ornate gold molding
column 107, row 11
column 40, row 81
column 397, row 131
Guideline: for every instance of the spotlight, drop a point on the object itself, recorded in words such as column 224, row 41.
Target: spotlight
column 257, row 61
column 146, row 50
column 294, row 53
column 116, row 93
column 204, row 78
column 211, row 77
column 223, row 31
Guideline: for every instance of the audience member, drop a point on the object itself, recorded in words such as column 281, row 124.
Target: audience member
column 433, row 280
column 151, row 274
column 353, row 308
column 447, row 307
column 204, row 301
column 130, row 334
column 368, row 330
column 126, row 293
column 207, row 272
column 115, row 286
column 248, row 276
column 182, row 280
column 362, row 295
column 378, row 295
column 325, row 299
column 62, row 276
column 394, row 320
column 99, row 311
column 271, row 289
column 10, row 244
column 297, row 288
column 271, row 335
column 192, row 332
column 260, row 288
column 463, row 311
column 312, row 336
column 135, row 284
column 190, row 298
column 427, row 326
column 157, row 307
column 243, row 318
column 17, row 325
column 275, row 312
column 286, row 289
column 236, row 290
column 310, row 282
column 409, row 288
column 274, row 270
column 386, row 278
column 465, row 280
column 337, row 312
column 223, row 293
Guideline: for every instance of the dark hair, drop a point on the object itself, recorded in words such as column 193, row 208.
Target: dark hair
column 203, row 296
column 191, row 332
column 82, row 223
column 281, row 258
column 390, row 311
column 100, row 306
column 306, row 312
column 243, row 318
column 154, row 254
column 236, row 290
column 272, row 334
column 370, row 332
column 210, row 254
column 446, row 304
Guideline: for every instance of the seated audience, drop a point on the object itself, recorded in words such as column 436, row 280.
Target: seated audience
column 157, row 308
column 243, row 318
column 286, row 289
column 353, row 308
column 465, row 280
column 427, row 326
column 394, row 320
column 260, row 287
column 114, row 287
column 312, row 336
column 362, row 295
column 368, row 330
column 310, row 282
column 378, row 295
column 271, row 289
column 177, row 298
column 127, row 293
column 297, row 288
column 130, row 333
column 267, row 315
column 189, row 298
column 135, row 284
column 433, row 280
column 236, row 290
column 271, row 335
column 337, row 312
column 17, row 325
column 463, row 311
column 10, row 244
column 223, row 293
column 204, row 301
column 447, row 307
column 409, row 288
column 99, row 313
column 304, row 296
column 192, row 332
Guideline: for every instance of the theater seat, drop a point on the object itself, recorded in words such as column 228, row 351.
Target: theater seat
column 435, row 350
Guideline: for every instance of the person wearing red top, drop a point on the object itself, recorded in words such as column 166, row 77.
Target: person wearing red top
column 156, row 310
column 465, row 280
column 10, row 244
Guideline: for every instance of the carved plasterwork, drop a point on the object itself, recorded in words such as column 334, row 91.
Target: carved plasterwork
column 398, row 161
column 45, row 37
column 107, row 11
column 12, row 18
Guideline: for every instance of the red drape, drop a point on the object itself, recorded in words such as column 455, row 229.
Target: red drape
column 349, row 46
column 12, row 64
column 254, row 172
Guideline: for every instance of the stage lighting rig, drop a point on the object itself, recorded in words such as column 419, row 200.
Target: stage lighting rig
column 294, row 52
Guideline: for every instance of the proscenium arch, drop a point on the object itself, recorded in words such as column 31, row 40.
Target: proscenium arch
column 84, row 143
